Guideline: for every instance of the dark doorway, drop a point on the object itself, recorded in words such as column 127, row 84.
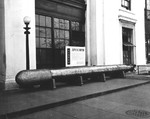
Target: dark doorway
column 128, row 46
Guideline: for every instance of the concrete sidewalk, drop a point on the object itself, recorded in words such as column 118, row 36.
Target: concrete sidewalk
column 21, row 101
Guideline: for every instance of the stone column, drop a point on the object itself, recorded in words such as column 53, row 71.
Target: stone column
column 95, row 32
column 15, row 39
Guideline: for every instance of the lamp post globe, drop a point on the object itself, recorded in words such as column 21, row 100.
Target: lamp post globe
column 26, row 20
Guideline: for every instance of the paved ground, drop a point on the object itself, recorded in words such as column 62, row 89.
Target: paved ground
column 111, row 106
column 79, row 102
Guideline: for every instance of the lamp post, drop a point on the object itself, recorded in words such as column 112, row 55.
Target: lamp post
column 27, row 22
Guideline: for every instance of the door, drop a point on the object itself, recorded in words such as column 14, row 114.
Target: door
column 127, row 46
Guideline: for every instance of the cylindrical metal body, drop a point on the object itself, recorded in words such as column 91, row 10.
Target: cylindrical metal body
column 33, row 77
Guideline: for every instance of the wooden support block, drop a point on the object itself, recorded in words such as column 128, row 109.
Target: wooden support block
column 101, row 77
column 50, row 84
column 122, row 74
column 80, row 80
column 53, row 83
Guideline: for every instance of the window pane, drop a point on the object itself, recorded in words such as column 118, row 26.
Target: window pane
column 56, row 23
column 43, row 43
column 37, row 42
column 37, row 20
column 126, row 4
column 48, row 21
column 62, row 43
column 48, row 32
column 56, row 42
column 62, row 34
column 66, row 34
column 148, row 14
column 73, row 26
column 56, row 33
column 148, row 4
column 37, row 31
column 67, row 42
column 77, row 26
column 62, row 23
column 42, row 32
column 49, row 43
column 42, row 20
column 67, row 24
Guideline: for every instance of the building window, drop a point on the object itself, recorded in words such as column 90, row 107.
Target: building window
column 43, row 32
column 43, row 41
column 147, row 10
column 126, row 4
column 78, row 34
column 52, row 35
column 127, row 46
column 148, row 4
column 148, row 14
column 61, row 33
